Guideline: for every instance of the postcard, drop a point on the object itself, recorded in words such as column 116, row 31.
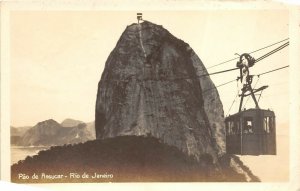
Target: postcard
column 201, row 93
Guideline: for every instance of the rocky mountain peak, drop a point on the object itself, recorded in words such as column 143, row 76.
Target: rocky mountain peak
column 47, row 123
column 149, row 87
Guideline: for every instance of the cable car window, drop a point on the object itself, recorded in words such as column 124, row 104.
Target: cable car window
column 234, row 128
column 268, row 124
column 272, row 124
column 248, row 125
column 229, row 127
column 237, row 127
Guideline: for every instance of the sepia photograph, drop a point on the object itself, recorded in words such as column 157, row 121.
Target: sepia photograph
column 149, row 96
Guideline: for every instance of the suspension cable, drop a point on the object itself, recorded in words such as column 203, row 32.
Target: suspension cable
column 257, row 60
column 219, row 72
column 249, row 53
column 258, row 75
column 272, row 52
column 232, row 103
column 273, row 70
column 261, row 75
column 234, row 99
column 207, row 90
column 232, row 69
column 203, row 75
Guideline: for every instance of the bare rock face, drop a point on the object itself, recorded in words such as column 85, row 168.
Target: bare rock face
column 150, row 87
column 212, row 105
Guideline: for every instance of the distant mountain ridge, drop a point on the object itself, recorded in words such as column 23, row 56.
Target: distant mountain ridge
column 16, row 133
column 70, row 122
column 50, row 132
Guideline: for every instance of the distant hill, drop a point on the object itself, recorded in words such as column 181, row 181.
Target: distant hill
column 50, row 132
column 73, row 122
column 128, row 159
column 16, row 133
column 91, row 128
column 70, row 122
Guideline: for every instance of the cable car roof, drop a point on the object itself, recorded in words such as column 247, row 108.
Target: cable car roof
column 252, row 112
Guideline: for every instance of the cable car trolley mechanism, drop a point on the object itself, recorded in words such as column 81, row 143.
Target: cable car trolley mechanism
column 251, row 131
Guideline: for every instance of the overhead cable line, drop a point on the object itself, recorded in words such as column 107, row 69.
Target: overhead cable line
column 200, row 76
column 232, row 69
column 273, row 70
column 182, row 78
column 272, row 52
column 269, row 45
column 259, row 59
column 233, row 100
column 209, row 74
column 219, row 85
column 228, row 70
column 258, row 75
column 249, row 53
column 232, row 103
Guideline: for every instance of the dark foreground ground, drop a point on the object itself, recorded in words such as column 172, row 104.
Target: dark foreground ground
column 122, row 159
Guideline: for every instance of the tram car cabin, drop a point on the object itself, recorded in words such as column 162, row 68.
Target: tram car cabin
column 251, row 132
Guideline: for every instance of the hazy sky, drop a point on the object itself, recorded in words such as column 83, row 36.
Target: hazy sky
column 57, row 57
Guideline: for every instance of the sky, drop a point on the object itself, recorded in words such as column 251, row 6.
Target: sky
column 57, row 57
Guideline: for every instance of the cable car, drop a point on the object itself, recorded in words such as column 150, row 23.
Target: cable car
column 251, row 131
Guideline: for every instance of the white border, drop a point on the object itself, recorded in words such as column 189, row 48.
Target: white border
column 87, row 5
